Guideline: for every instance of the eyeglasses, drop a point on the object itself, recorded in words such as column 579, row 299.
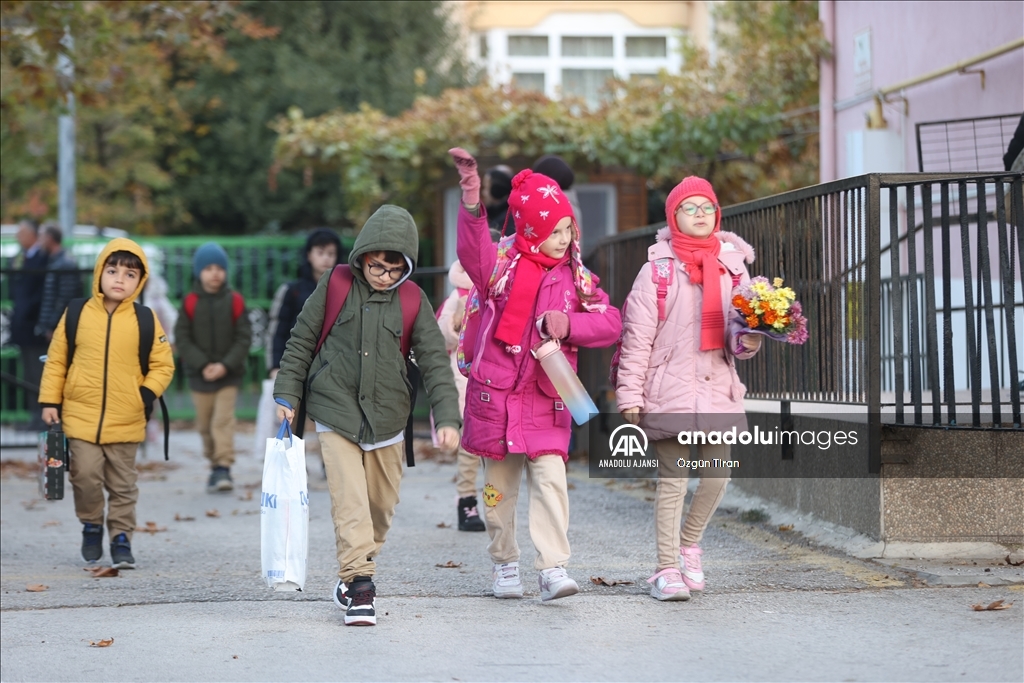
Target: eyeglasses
column 690, row 209
column 381, row 271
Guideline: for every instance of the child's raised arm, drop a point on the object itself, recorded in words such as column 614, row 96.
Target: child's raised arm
column 475, row 250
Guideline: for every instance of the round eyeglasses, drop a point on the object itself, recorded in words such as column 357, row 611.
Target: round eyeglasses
column 381, row 271
column 690, row 209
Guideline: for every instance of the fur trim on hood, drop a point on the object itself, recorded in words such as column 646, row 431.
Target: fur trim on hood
column 730, row 242
column 458, row 276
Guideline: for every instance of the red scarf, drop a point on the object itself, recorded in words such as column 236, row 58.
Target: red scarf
column 522, row 298
column 700, row 256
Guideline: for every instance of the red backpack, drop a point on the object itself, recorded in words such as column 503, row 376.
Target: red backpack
column 237, row 305
column 338, row 288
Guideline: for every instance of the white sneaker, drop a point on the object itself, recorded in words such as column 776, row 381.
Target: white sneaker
column 555, row 583
column 507, row 583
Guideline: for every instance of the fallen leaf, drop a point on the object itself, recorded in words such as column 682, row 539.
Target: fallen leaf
column 982, row 584
column 102, row 572
column 449, row 565
column 234, row 513
column 22, row 469
column 179, row 518
column 52, row 522
column 234, row 656
column 601, row 581
column 151, row 528
column 571, row 486
column 101, row 643
column 247, row 496
column 35, row 588
column 992, row 606
column 785, row 527
column 213, row 513
column 30, row 504
column 443, row 525
column 1015, row 559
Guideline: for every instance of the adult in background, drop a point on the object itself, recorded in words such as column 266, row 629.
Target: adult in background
column 27, row 296
column 494, row 192
column 62, row 283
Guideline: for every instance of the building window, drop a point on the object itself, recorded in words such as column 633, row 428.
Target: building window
column 646, row 46
column 643, row 76
column 586, row 83
column 577, row 46
column 482, row 41
column 528, row 81
column 527, row 46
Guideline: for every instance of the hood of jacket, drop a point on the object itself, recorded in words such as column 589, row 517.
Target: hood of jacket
column 306, row 270
column 119, row 244
column 458, row 276
column 390, row 228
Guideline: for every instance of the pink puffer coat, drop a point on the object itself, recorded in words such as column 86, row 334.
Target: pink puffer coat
column 661, row 367
column 511, row 405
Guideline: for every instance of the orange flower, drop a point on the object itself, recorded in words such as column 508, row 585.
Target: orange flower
column 739, row 302
column 770, row 317
column 752, row 321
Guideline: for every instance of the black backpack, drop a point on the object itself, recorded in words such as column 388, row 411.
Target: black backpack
column 147, row 330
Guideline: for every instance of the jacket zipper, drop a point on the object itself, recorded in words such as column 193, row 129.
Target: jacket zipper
column 106, row 359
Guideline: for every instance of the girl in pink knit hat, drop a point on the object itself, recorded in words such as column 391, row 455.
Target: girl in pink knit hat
column 676, row 370
column 529, row 286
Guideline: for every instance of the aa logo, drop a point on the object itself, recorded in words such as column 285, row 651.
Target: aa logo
column 628, row 441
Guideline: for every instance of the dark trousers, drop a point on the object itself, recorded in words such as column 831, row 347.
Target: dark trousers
column 32, row 371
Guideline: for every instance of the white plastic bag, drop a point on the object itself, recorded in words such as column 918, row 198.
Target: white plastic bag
column 284, row 512
column 266, row 418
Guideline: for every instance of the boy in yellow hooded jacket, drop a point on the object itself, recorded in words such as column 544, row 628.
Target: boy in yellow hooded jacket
column 103, row 399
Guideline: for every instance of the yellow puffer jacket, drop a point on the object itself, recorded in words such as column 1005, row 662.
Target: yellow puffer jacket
column 99, row 395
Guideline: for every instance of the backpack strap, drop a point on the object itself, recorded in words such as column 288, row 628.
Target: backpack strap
column 237, row 306
column 409, row 298
column 147, row 333
column 338, row 287
column 71, row 318
column 190, row 305
column 662, row 274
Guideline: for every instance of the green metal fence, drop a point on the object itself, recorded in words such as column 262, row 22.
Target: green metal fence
column 259, row 265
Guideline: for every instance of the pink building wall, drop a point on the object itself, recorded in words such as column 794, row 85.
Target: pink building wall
column 909, row 39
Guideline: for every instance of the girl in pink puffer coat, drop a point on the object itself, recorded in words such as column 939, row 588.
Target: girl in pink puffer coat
column 514, row 418
column 676, row 370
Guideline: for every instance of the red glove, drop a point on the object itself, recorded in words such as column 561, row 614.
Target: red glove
column 556, row 324
column 469, row 179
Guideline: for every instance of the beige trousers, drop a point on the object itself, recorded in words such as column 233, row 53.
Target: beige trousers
column 364, row 492
column 467, row 466
column 548, row 509
column 215, row 420
column 671, row 492
column 108, row 466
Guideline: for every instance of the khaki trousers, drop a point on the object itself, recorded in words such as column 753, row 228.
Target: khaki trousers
column 109, row 466
column 548, row 509
column 671, row 492
column 364, row 492
column 467, row 466
column 215, row 420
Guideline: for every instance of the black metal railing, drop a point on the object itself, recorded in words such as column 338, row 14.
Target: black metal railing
column 964, row 145
column 946, row 351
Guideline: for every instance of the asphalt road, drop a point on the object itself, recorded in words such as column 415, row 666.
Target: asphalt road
column 777, row 607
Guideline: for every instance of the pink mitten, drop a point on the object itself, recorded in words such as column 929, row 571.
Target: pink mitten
column 469, row 179
column 556, row 324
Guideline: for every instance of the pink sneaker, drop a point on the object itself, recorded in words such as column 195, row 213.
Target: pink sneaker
column 689, row 562
column 667, row 586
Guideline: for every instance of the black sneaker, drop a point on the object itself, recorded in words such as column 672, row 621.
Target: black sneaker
column 121, row 552
column 92, row 542
column 361, row 593
column 341, row 597
column 469, row 517
column 220, row 480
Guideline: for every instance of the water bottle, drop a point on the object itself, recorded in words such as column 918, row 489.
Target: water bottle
column 563, row 377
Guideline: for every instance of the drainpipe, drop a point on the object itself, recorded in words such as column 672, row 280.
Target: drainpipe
column 827, row 96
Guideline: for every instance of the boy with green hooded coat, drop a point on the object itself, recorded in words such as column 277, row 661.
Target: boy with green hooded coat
column 358, row 394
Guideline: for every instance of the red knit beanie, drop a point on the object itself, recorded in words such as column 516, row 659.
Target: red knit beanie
column 691, row 186
column 536, row 204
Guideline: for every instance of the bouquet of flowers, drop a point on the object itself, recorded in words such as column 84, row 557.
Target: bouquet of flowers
column 768, row 308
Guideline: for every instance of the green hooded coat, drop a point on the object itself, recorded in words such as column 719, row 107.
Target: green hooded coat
column 213, row 336
column 357, row 383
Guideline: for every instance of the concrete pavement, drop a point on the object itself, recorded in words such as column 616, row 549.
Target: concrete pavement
column 778, row 607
